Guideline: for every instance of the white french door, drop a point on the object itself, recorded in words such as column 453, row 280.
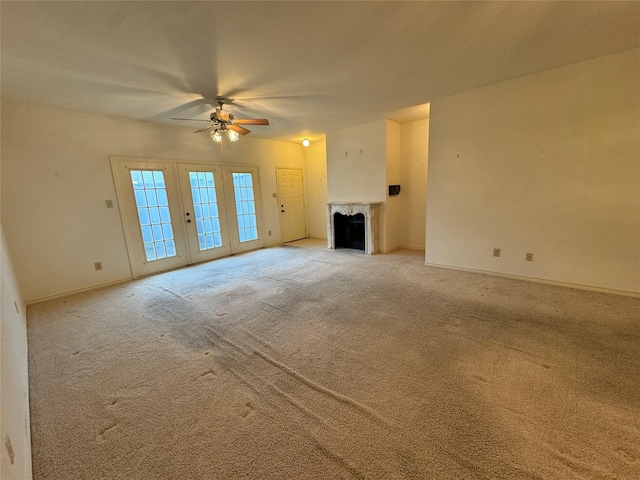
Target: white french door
column 176, row 214
column 205, row 215
column 245, row 214
column 151, row 212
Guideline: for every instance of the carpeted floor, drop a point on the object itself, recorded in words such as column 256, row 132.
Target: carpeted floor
column 295, row 363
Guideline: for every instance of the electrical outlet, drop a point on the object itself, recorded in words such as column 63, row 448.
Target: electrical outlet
column 109, row 203
column 275, row 195
column 98, row 265
column 269, row 232
column 529, row 257
column 496, row 252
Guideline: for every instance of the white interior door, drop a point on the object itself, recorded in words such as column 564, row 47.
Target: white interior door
column 291, row 197
column 151, row 215
column 204, row 211
column 242, row 193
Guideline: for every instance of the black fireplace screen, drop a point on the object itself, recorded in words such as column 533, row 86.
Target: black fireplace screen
column 349, row 231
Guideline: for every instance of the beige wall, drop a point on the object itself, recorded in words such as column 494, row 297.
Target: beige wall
column 315, row 166
column 549, row 164
column 14, row 386
column 394, row 204
column 357, row 164
column 414, row 156
column 56, row 177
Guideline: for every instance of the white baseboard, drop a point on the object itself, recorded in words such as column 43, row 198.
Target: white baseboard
column 403, row 247
column 539, row 280
column 408, row 247
column 79, row 290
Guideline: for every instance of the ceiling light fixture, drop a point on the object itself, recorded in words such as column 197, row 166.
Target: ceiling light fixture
column 233, row 136
column 305, row 142
column 216, row 136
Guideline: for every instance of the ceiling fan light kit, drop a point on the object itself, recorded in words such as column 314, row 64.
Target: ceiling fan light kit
column 223, row 121
column 233, row 135
column 216, row 136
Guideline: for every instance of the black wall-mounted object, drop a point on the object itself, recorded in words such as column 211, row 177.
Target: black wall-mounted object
column 394, row 190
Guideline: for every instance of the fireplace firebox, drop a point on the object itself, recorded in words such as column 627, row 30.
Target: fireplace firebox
column 349, row 230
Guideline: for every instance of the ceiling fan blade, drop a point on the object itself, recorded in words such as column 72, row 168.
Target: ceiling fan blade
column 191, row 119
column 208, row 127
column 222, row 114
column 239, row 129
column 252, row 121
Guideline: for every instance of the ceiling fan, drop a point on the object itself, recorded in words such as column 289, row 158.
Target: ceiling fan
column 223, row 121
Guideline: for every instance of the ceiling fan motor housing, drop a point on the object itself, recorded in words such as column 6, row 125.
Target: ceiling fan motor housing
column 215, row 119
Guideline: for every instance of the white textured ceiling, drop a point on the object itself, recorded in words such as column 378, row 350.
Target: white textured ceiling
column 310, row 67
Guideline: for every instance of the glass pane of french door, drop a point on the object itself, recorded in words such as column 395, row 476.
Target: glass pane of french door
column 204, row 211
column 245, row 206
column 154, row 217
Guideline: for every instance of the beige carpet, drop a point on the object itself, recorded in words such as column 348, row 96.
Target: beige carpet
column 295, row 363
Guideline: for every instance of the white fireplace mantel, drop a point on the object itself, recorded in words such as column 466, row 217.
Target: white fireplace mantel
column 371, row 212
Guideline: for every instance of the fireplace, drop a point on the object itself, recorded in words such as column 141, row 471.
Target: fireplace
column 353, row 225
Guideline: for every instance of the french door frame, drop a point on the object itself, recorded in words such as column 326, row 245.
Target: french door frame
column 179, row 207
